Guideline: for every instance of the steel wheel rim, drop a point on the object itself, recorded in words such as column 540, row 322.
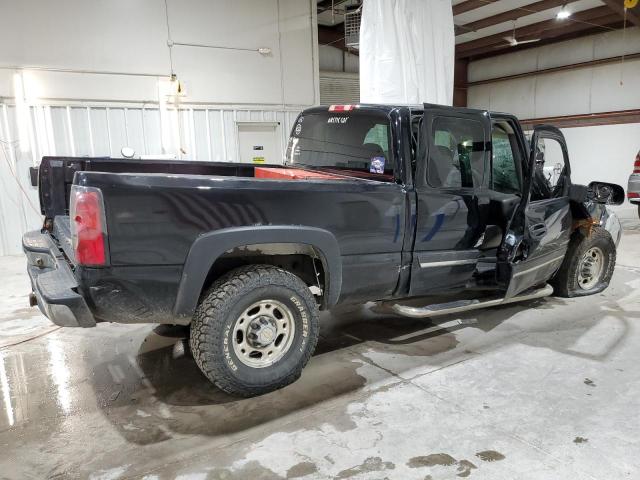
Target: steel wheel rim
column 263, row 333
column 590, row 268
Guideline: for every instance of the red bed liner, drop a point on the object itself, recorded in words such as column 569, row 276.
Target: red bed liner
column 292, row 174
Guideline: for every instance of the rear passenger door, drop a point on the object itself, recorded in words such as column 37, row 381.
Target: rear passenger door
column 451, row 166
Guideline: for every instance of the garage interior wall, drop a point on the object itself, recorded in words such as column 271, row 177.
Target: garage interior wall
column 604, row 152
column 339, row 77
column 86, row 78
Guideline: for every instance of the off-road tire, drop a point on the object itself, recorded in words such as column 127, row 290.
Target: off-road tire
column 565, row 282
column 220, row 306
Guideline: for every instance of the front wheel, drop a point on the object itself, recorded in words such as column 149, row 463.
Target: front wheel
column 255, row 330
column 588, row 265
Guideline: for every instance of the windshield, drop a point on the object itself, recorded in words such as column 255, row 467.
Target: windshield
column 351, row 142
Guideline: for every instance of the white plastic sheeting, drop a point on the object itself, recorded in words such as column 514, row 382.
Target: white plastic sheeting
column 407, row 52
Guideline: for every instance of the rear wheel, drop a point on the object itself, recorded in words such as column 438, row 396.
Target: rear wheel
column 255, row 330
column 588, row 264
column 639, row 210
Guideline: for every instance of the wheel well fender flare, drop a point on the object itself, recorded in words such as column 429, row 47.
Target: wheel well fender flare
column 207, row 248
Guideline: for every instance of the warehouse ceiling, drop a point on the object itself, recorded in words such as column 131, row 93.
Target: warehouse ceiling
column 492, row 27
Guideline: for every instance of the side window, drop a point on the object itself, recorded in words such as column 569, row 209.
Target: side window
column 378, row 135
column 549, row 176
column 456, row 153
column 504, row 174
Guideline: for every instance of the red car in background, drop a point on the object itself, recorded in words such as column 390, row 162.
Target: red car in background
column 633, row 192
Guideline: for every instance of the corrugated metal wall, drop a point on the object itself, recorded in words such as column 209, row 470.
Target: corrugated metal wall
column 339, row 88
column 27, row 133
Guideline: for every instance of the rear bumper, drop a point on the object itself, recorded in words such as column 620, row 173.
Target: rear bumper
column 53, row 282
column 634, row 187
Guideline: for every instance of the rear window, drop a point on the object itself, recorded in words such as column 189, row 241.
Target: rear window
column 353, row 143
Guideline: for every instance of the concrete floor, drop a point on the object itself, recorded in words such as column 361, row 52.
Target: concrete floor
column 544, row 390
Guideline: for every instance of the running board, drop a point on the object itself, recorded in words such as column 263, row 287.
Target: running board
column 466, row 305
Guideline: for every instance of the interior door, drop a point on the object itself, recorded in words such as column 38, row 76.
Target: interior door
column 538, row 234
column 451, row 164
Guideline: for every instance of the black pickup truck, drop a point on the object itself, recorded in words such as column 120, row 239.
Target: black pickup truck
column 374, row 203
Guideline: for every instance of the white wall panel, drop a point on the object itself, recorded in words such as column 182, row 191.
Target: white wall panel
column 114, row 35
column 611, row 44
column 604, row 152
column 240, row 23
column 333, row 59
column 298, row 49
column 607, row 94
column 562, row 93
column 509, row 64
column 572, row 92
column 479, row 96
column 515, row 96
column 64, row 86
column 605, row 45
column 254, row 78
column 554, row 55
column 330, row 59
column 131, row 37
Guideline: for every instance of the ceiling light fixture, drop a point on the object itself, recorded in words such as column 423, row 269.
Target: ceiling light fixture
column 563, row 14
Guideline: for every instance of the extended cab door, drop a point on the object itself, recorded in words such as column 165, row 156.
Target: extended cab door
column 537, row 236
column 450, row 168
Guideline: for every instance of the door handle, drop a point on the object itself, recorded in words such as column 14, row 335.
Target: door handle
column 538, row 230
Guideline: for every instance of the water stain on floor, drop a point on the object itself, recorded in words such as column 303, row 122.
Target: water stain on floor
column 442, row 459
column 490, row 456
column 252, row 470
column 371, row 464
column 302, row 469
column 464, row 467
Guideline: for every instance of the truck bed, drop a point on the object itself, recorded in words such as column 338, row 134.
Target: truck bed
column 54, row 172
column 156, row 210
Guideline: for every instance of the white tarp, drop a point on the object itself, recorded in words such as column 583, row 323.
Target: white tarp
column 407, row 52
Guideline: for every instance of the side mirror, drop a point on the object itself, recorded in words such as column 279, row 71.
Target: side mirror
column 607, row 193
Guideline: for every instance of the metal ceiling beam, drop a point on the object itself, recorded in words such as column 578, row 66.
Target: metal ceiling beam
column 509, row 15
column 595, row 17
column 588, row 119
column 633, row 15
column 567, row 32
column 325, row 5
column 470, row 5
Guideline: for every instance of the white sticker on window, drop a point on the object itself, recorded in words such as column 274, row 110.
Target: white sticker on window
column 377, row 165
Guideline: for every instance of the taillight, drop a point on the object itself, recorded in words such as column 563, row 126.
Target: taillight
column 88, row 226
column 636, row 164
